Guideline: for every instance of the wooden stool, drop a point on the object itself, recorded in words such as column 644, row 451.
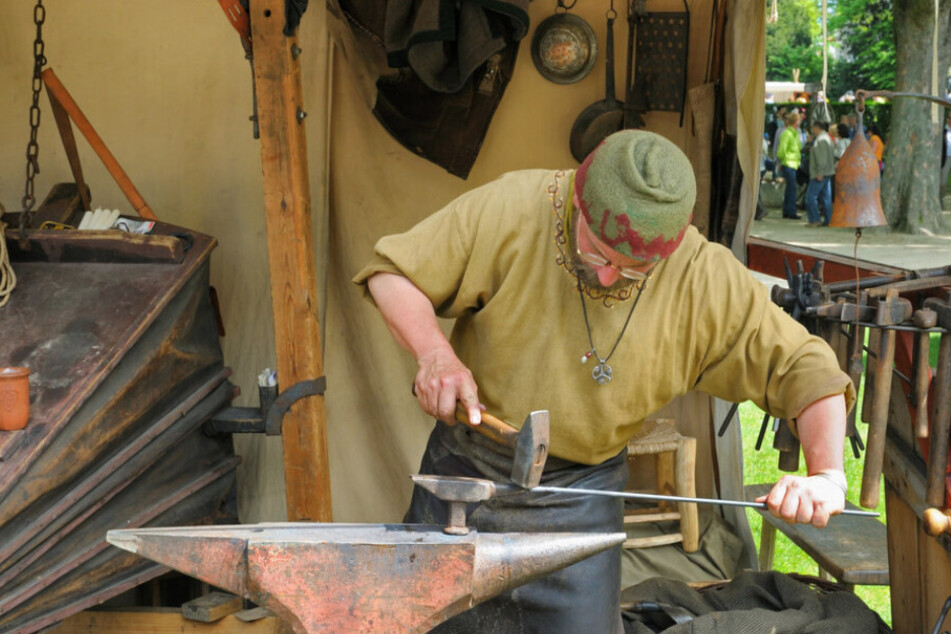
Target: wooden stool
column 676, row 475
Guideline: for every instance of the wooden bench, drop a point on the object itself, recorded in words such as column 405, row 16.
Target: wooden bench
column 853, row 550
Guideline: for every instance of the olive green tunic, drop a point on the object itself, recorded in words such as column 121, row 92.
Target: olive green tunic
column 494, row 259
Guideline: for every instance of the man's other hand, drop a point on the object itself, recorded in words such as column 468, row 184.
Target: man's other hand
column 807, row 500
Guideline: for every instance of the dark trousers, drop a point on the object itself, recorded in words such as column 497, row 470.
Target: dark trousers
column 584, row 597
column 816, row 192
column 789, row 196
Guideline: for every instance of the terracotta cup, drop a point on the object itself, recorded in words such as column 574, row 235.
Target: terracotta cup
column 14, row 398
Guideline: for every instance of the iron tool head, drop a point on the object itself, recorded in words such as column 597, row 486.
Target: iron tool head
column 531, row 450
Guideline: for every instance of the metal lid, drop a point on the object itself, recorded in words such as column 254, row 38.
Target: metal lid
column 564, row 48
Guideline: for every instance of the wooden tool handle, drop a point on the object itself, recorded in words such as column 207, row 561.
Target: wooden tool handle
column 936, row 522
column 922, row 382
column 875, row 452
column 491, row 427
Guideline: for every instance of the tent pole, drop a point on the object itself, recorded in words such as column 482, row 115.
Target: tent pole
column 291, row 258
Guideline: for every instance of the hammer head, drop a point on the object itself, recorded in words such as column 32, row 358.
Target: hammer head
column 531, row 450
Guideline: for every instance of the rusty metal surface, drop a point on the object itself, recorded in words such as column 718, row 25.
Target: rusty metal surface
column 74, row 321
column 361, row 577
column 22, row 537
column 132, row 380
column 126, row 366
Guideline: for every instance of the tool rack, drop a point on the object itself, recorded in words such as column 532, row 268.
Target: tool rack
column 906, row 401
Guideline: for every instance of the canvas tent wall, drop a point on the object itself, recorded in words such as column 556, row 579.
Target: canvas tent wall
column 168, row 88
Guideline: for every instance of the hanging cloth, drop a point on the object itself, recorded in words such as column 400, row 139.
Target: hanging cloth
column 445, row 42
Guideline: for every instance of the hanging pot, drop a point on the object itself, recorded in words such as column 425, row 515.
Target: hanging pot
column 602, row 118
column 564, row 48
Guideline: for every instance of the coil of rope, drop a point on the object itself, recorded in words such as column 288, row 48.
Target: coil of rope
column 8, row 279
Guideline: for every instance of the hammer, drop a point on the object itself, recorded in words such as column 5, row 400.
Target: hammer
column 530, row 443
column 891, row 310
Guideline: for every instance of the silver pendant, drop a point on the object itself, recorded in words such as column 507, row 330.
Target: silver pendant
column 602, row 373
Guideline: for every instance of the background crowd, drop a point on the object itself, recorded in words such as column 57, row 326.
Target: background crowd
column 801, row 150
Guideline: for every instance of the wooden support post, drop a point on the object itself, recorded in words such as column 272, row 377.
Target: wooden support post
column 291, row 258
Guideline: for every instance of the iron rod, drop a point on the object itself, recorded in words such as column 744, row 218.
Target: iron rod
column 676, row 498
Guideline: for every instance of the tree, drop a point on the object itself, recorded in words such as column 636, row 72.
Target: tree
column 864, row 32
column 913, row 154
column 793, row 42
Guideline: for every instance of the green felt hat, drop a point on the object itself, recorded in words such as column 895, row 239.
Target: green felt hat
column 636, row 190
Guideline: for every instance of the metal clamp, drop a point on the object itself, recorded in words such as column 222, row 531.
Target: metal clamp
column 275, row 413
column 268, row 417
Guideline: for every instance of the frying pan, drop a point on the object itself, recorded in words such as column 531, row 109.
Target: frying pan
column 602, row 118
column 564, row 48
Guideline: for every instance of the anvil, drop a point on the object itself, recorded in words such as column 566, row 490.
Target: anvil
column 361, row 577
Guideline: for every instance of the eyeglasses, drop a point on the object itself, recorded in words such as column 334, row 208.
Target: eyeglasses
column 628, row 272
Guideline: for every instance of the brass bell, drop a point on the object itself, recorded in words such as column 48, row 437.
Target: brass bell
column 858, row 184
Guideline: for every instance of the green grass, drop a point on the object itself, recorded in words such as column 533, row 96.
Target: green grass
column 761, row 466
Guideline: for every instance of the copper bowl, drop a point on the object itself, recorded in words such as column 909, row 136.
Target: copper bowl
column 564, row 48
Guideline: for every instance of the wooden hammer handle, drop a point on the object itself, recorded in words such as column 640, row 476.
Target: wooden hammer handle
column 878, row 424
column 491, row 427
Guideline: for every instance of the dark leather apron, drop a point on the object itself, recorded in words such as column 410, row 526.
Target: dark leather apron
column 581, row 598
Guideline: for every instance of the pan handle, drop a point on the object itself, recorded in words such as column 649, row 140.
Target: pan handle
column 609, row 60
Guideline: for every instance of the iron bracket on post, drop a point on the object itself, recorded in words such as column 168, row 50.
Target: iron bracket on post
column 268, row 418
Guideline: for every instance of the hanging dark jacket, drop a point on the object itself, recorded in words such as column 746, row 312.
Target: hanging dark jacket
column 459, row 58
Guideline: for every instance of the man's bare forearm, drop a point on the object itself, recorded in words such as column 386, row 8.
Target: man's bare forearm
column 442, row 379
column 821, row 428
column 408, row 314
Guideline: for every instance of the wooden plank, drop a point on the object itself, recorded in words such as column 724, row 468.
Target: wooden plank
column 108, row 246
column 252, row 614
column 852, row 549
column 291, row 259
column 633, row 517
column 159, row 621
column 650, row 542
column 212, row 607
column 935, row 580
column 903, row 562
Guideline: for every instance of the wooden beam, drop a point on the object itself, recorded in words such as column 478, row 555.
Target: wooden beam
column 212, row 607
column 159, row 621
column 291, row 258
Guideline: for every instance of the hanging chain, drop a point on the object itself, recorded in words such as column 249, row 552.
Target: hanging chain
column 33, row 148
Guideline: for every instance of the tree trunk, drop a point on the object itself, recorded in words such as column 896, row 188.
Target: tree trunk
column 913, row 154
